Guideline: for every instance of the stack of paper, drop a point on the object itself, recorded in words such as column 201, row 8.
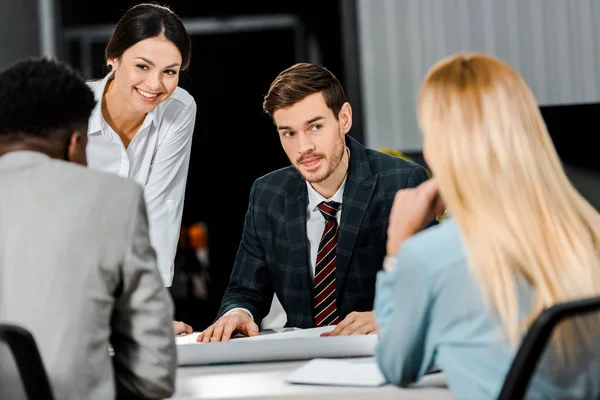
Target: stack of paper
column 352, row 372
column 302, row 344
column 355, row 372
column 267, row 334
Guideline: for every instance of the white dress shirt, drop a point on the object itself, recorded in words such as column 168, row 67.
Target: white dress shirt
column 316, row 222
column 157, row 158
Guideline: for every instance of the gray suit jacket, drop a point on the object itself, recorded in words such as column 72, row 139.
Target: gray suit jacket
column 78, row 271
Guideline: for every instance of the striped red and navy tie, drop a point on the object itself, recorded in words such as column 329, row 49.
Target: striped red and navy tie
column 325, row 308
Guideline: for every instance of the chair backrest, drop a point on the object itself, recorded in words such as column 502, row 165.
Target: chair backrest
column 28, row 360
column 533, row 345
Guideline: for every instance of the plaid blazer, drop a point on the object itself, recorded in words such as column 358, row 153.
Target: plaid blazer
column 273, row 253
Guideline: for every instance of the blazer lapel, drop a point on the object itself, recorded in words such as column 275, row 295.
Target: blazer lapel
column 296, row 202
column 360, row 185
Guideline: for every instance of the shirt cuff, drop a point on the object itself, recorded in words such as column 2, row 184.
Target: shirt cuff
column 239, row 308
column 167, row 279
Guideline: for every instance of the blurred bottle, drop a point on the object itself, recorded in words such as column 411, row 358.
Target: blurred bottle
column 191, row 278
column 198, row 237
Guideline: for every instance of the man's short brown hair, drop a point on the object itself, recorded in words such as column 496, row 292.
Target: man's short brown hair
column 301, row 80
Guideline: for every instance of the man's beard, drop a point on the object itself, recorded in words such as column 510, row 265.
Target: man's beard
column 331, row 166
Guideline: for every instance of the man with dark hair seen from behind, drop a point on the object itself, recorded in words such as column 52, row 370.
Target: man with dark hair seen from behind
column 76, row 266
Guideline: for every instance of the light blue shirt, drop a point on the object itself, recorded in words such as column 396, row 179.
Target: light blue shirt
column 431, row 313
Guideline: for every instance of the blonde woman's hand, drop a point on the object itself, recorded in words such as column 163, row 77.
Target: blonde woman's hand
column 413, row 208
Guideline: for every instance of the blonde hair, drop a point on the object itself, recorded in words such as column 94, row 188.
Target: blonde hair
column 501, row 178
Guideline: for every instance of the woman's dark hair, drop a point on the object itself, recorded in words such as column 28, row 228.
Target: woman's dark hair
column 148, row 20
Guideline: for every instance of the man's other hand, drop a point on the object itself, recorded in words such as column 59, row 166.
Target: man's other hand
column 181, row 327
column 355, row 323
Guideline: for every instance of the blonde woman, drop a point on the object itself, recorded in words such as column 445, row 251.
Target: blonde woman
column 460, row 296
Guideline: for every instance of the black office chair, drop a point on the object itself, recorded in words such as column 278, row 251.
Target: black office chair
column 28, row 360
column 535, row 341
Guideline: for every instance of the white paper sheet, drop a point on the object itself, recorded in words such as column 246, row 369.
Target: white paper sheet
column 293, row 345
column 269, row 334
column 186, row 339
column 290, row 334
column 352, row 372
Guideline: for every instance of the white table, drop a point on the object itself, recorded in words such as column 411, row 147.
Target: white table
column 266, row 381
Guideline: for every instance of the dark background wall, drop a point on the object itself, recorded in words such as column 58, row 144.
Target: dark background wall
column 19, row 35
column 230, row 73
column 234, row 142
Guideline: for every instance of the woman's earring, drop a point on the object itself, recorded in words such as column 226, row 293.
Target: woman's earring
column 109, row 67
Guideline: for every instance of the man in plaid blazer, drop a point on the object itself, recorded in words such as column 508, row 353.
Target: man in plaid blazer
column 280, row 250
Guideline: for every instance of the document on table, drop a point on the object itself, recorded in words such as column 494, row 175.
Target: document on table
column 292, row 333
column 299, row 344
column 348, row 372
column 187, row 339
column 268, row 334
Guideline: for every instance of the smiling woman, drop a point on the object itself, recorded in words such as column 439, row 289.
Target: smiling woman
column 142, row 127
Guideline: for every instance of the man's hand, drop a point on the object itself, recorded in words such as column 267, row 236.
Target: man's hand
column 355, row 323
column 180, row 327
column 237, row 322
column 413, row 208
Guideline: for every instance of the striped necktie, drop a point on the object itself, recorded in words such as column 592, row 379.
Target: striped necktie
column 325, row 308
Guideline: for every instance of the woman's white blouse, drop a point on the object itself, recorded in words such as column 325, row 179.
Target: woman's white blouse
column 157, row 158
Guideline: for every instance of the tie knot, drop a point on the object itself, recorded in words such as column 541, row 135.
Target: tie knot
column 329, row 209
